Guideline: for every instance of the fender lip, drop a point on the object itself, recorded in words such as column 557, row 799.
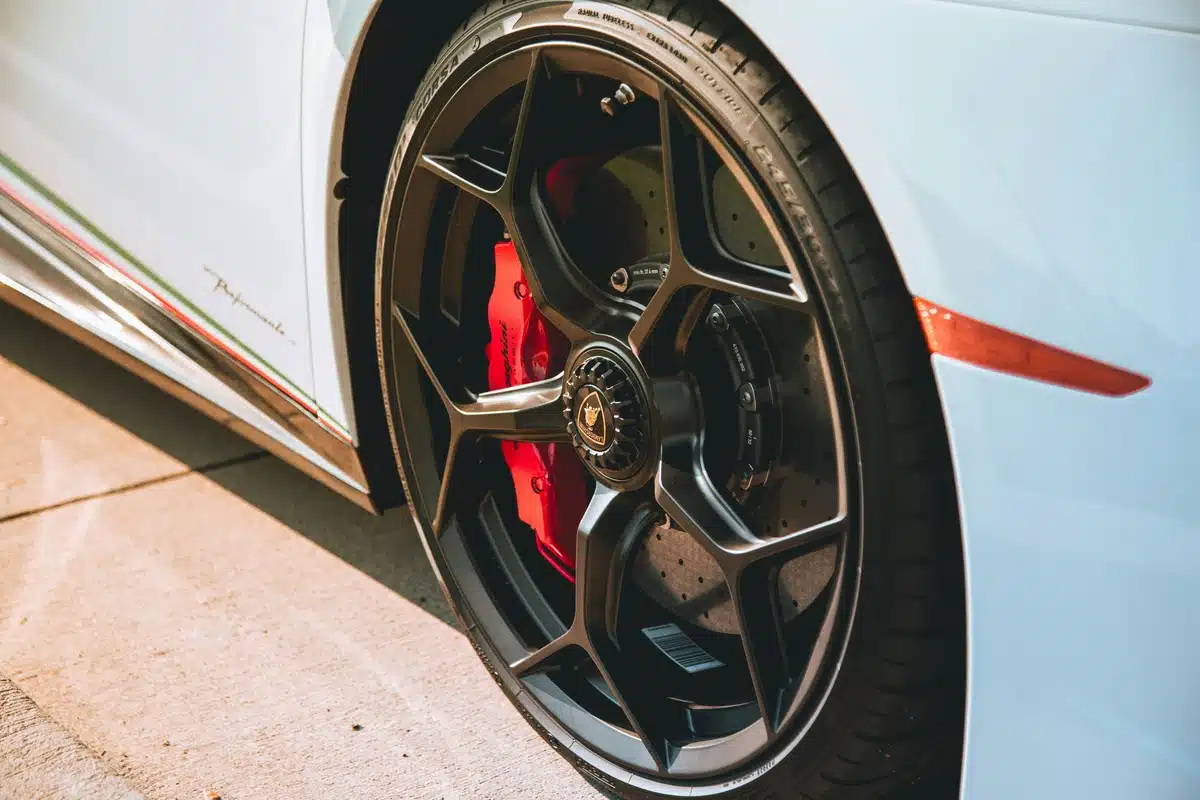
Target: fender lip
column 972, row 341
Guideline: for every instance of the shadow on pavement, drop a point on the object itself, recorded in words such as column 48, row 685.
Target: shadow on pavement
column 385, row 548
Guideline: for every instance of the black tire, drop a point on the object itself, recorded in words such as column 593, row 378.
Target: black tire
column 892, row 720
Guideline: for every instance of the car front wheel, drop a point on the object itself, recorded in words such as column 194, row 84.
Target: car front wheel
column 664, row 413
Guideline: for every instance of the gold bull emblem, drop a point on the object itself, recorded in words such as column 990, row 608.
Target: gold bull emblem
column 590, row 413
column 590, row 420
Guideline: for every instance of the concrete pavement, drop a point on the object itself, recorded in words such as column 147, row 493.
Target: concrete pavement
column 38, row 758
column 182, row 616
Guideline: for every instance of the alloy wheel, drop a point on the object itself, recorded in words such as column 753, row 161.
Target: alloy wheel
column 706, row 605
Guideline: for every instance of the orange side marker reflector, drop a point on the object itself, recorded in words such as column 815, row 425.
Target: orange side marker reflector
column 955, row 336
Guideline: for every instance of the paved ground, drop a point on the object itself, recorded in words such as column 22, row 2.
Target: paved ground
column 184, row 617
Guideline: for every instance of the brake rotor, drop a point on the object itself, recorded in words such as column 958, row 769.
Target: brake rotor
column 678, row 574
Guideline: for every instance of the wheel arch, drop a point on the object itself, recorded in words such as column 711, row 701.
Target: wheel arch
column 367, row 103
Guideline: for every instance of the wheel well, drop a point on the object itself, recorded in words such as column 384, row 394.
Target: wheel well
column 396, row 51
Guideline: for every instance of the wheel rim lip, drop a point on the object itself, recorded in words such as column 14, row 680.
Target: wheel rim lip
column 850, row 549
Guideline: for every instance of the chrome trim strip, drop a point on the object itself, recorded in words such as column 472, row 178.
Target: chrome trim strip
column 76, row 292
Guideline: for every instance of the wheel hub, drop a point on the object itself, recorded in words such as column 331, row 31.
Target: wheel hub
column 607, row 417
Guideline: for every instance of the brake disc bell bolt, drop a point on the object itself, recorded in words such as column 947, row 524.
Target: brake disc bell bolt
column 747, row 398
column 717, row 320
column 620, row 280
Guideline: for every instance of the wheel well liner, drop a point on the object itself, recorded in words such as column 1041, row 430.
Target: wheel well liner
column 391, row 60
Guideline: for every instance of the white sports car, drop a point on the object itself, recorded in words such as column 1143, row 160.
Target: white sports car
column 796, row 399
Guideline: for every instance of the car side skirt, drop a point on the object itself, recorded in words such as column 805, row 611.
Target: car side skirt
column 48, row 274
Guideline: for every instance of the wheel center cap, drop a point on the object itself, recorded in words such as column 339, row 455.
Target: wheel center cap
column 593, row 418
column 607, row 419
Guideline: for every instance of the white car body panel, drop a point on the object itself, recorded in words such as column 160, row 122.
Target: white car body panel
column 327, row 66
column 175, row 130
column 1035, row 164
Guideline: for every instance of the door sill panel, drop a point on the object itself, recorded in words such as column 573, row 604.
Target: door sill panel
column 52, row 278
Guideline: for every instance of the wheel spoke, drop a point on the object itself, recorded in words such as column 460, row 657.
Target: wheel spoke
column 543, row 658
column 644, row 711
column 599, row 561
column 689, row 498
column 443, row 373
column 604, row 546
column 681, row 484
column 468, row 173
column 477, row 169
column 750, row 565
column 560, row 290
column 529, row 412
column 678, row 184
column 757, row 608
column 522, row 158
column 795, row 543
column 453, row 453
column 446, row 383
column 778, row 291
column 696, row 262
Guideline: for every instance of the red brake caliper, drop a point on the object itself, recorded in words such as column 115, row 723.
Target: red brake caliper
column 551, row 494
